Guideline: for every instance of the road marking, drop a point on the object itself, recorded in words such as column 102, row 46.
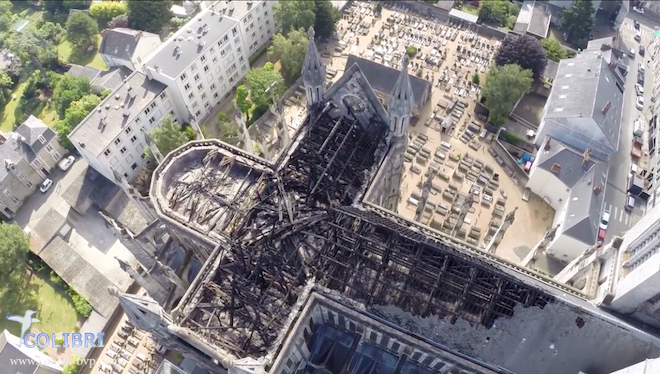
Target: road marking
column 608, row 208
column 615, row 211
column 627, row 219
column 621, row 216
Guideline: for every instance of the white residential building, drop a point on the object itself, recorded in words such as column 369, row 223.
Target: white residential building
column 256, row 19
column 127, row 47
column 111, row 137
column 15, row 357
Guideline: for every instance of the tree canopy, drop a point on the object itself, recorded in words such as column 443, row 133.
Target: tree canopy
column 577, row 21
column 258, row 81
column 294, row 15
column 525, row 51
column 67, row 90
column 35, row 45
column 242, row 100
column 14, row 248
column 105, row 11
column 497, row 12
column 553, row 49
column 148, row 15
column 81, row 30
column 290, row 50
column 504, row 86
column 168, row 136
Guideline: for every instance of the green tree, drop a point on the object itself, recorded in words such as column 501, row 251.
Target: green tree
column 553, row 49
column 5, row 16
column 411, row 51
column 242, row 100
column 326, row 17
column 293, row 15
column 290, row 50
column 81, row 30
column 378, row 9
column 168, row 136
column 34, row 46
column 74, row 114
column 577, row 21
column 67, row 90
column 476, row 79
column 524, row 50
column 504, row 86
column 74, row 367
column 5, row 88
column 496, row 11
column 259, row 81
column 53, row 6
column 74, row 4
column 14, row 248
column 228, row 131
column 105, row 11
column 149, row 15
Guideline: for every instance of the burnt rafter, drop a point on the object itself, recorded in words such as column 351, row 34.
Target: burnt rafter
column 304, row 223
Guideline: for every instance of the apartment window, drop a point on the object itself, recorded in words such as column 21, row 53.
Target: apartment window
column 126, row 175
column 15, row 200
column 203, row 58
column 122, row 150
column 117, row 141
column 152, row 120
column 237, row 41
column 206, row 105
column 163, row 96
column 203, row 96
column 146, row 111
column 219, row 43
column 191, row 95
column 196, row 77
column 133, row 139
column 215, row 95
column 29, row 184
column 107, row 152
column 215, row 60
column 267, row 23
column 172, row 114
column 42, row 140
column 226, row 38
column 143, row 156
column 197, row 113
column 194, row 104
column 206, row 68
column 6, row 192
column 231, row 80
column 184, row 77
column 137, row 120
column 128, row 130
column 134, row 166
column 212, row 86
column 239, row 50
column 222, row 53
column 200, row 87
column 193, row 67
column 233, row 31
column 153, row 105
column 212, row 50
column 241, row 59
column 186, row 87
column 20, row 176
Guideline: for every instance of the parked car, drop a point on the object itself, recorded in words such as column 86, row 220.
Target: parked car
column 631, row 53
column 642, row 50
column 636, row 24
column 46, row 185
column 638, row 36
column 641, row 67
column 66, row 163
column 639, row 104
column 630, row 202
column 639, row 10
column 639, row 89
column 605, row 220
column 640, row 78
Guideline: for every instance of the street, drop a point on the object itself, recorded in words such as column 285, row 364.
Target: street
column 615, row 193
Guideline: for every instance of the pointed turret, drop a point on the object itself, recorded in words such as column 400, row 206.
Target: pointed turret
column 313, row 72
column 401, row 102
column 143, row 311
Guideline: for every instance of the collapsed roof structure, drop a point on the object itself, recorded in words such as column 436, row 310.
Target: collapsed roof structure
column 302, row 274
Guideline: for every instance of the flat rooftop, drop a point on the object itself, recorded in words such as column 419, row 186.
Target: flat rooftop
column 202, row 32
column 97, row 131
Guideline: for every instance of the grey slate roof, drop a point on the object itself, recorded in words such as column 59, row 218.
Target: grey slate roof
column 120, row 43
column 97, row 137
column 572, row 169
column 170, row 63
column 31, row 129
column 14, row 150
column 111, row 79
column 11, row 360
column 84, row 71
column 584, row 206
column 383, row 78
column 45, row 230
column 90, row 188
column 81, row 275
column 583, row 87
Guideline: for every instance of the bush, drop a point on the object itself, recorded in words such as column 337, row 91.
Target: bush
column 510, row 138
column 475, row 79
column 411, row 51
column 59, row 340
column 55, row 279
column 74, row 367
column 81, row 305
column 104, row 11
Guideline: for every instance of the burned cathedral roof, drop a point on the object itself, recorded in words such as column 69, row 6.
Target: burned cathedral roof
column 279, row 228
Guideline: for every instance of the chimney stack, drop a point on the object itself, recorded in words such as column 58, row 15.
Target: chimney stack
column 586, row 157
column 547, row 145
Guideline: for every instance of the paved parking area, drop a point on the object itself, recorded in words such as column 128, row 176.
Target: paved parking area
column 451, row 56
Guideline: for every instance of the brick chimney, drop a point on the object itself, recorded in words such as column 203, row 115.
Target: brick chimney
column 547, row 145
column 555, row 168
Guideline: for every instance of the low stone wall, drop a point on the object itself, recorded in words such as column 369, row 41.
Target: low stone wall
column 519, row 172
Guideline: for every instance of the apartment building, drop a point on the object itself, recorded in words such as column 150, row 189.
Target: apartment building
column 209, row 56
column 127, row 47
column 111, row 137
column 15, row 357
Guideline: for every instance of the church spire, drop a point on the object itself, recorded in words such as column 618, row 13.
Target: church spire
column 313, row 72
column 143, row 311
column 401, row 102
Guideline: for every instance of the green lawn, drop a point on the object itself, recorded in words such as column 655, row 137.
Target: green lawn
column 66, row 53
column 8, row 117
column 470, row 9
column 55, row 311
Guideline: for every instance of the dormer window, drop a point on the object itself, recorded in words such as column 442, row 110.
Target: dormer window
column 42, row 140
